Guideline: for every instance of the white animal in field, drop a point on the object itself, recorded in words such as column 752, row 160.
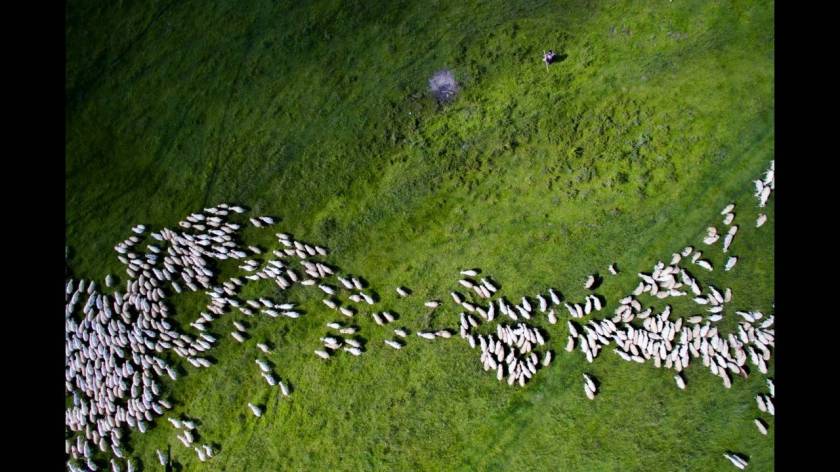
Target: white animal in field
column 589, row 382
column 728, row 209
column 346, row 282
column 761, row 405
column 470, row 272
column 727, row 219
column 402, row 292
column 730, row 263
column 590, row 394
column 432, row 304
column 353, row 350
column 765, row 194
column 590, row 281
column 393, row 344
column 705, row 264
column 759, row 222
column 546, row 359
column 322, row 354
column 762, row 428
column 736, row 461
column 572, row 331
column 255, row 410
column 727, row 241
column 680, row 382
column 612, row 269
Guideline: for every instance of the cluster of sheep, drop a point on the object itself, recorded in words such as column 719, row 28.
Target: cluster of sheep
column 113, row 352
column 765, row 404
column 764, row 187
column 187, row 438
column 511, row 352
column 672, row 344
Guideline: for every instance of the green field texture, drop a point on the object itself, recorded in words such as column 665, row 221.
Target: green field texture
column 658, row 115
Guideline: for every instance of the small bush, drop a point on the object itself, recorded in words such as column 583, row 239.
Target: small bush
column 443, row 86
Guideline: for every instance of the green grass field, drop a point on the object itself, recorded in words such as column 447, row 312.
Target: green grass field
column 659, row 115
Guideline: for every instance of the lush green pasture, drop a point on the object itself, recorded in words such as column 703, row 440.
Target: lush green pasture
column 659, row 115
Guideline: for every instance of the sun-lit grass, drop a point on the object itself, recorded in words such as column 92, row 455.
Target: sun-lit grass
column 659, row 114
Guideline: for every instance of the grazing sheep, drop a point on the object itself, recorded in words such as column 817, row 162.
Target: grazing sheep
column 353, row 350
column 728, row 218
column 730, row 263
column 736, row 461
column 589, row 393
column 395, row 344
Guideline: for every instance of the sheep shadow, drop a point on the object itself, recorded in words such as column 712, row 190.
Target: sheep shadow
column 363, row 341
column 362, row 281
column 739, row 455
column 558, row 58
column 595, row 381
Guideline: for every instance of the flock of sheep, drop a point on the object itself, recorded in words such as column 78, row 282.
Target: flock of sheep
column 115, row 338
